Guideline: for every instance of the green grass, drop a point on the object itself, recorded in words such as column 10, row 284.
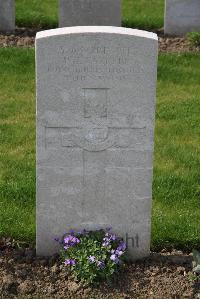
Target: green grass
column 176, row 188
column 37, row 13
column 143, row 14
column 17, row 143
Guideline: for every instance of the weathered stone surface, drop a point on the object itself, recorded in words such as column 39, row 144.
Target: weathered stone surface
column 95, row 126
column 7, row 15
column 89, row 13
column 182, row 16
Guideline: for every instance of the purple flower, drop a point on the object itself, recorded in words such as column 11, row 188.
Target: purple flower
column 69, row 262
column 112, row 237
column 114, row 258
column 92, row 258
column 70, row 241
column 106, row 243
column 119, row 252
column 108, row 238
column 100, row 264
column 122, row 246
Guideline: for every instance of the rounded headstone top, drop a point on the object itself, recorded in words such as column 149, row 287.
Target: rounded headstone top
column 95, row 29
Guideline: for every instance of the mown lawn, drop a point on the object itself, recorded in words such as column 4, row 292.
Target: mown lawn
column 143, row 14
column 17, row 144
column 176, row 188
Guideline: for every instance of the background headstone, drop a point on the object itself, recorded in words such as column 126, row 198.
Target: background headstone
column 95, row 127
column 89, row 13
column 7, row 15
column 182, row 16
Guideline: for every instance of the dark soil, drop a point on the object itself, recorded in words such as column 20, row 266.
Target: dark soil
column 161, row 276
column 25, row 37
column 176, row 45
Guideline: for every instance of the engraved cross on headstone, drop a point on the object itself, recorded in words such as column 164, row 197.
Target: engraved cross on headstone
column 95, row 137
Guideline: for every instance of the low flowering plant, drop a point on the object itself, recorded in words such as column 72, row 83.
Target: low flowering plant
column 93, row 256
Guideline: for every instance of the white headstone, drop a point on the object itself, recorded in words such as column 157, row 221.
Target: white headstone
column 89, row 13
column 182, row 16
column 95, row 126
column 7, row 15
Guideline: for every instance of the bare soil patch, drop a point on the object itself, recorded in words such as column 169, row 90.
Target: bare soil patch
column 162, row 275
column 25, row 38
column 176, row 45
